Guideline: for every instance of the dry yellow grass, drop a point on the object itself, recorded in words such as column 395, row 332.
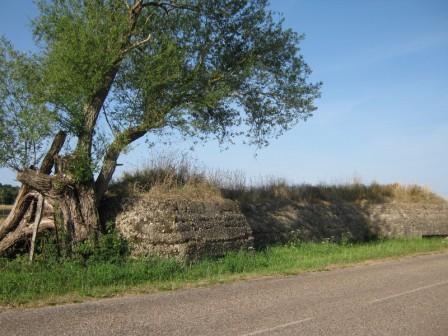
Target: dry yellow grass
column 4, row 211
column 175, row 175
column 349, row 192
column 185, row 180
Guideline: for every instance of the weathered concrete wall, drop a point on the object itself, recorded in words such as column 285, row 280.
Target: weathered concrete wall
column 184, row 229
column 195, row 229
column 409, row 219
column 285, row 221
column 282, row 222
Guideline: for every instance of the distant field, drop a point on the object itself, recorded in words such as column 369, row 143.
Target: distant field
column 4, row 211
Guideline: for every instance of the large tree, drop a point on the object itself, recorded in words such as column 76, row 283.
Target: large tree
column 109, row 72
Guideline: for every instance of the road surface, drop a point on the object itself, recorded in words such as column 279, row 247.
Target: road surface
column 401, row 297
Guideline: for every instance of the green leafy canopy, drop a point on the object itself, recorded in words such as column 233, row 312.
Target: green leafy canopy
column 205, row 69
column 25, row 121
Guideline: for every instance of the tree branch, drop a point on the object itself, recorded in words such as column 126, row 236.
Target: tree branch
column 42, row 183
column 165, row 5
column 113, row 152
column 37, row 221
column 22, row 233
column 25, row 197
column 48, row 161
column 138, row 44
column 93, row 107
column 19, row 209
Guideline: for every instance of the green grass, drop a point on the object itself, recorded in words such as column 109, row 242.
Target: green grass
column 50, row 282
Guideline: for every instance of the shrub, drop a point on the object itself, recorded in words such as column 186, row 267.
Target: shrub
column 110, row 247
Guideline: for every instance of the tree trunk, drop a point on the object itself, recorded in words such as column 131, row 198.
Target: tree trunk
column 20, row 207
column 25, row 226
column 17, row 225
column 75, row 208
column 23, row 232
column 79, row 214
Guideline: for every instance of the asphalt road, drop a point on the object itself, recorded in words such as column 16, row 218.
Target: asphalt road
column 401, row 297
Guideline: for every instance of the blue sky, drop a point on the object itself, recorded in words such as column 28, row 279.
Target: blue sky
column 383, row 115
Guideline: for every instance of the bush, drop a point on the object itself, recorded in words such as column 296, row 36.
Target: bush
column 110, row 247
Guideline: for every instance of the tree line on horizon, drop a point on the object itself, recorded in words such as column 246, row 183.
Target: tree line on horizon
column 8, row 194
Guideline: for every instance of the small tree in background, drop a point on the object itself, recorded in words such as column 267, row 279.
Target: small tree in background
column 109, row 72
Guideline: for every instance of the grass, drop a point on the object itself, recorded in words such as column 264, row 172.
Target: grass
column 4, row 211
column 176, row 175
column 5, row 207
column 49, row 282
column 52, row 281
column 167, row 175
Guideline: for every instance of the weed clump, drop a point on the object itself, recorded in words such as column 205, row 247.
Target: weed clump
column 169, row 175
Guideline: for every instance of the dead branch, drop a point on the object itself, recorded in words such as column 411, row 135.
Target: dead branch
column 24, row 232
column 37, row 221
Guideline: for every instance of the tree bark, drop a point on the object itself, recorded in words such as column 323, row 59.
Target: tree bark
column 110, row 159
column 19, row 209
column 23, row 232
column 37, row 220
column 74, row 204
column 14, row 227
column 25, row 228
column 79, row 214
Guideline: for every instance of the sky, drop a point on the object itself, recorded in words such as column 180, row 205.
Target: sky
column 383, row 114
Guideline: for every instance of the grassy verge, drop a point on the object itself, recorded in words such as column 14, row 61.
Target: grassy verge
column 51, row 282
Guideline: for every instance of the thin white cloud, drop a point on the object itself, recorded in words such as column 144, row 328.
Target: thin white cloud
column 390, row 52
column 411, row 47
